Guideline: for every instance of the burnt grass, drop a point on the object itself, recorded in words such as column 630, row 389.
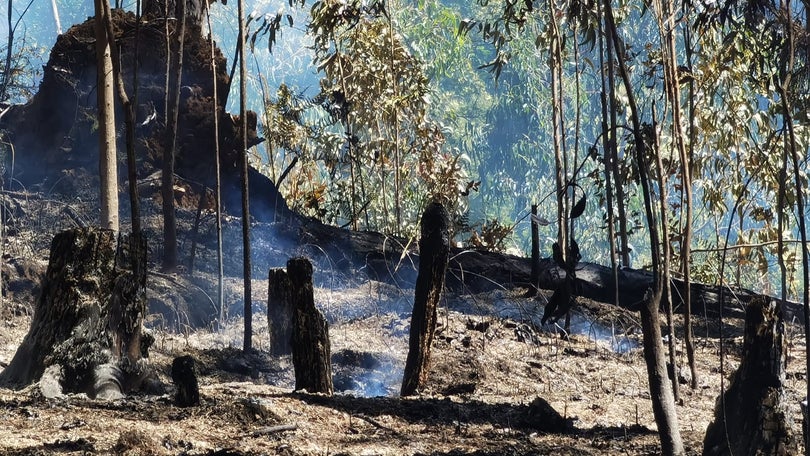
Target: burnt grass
column 500, row 384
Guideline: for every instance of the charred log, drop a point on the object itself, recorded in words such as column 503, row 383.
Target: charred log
column 311, row 350
column 434, row 252
column 753, row 409
column 86, row 330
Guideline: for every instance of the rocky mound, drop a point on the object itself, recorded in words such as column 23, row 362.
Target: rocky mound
column 56, row 132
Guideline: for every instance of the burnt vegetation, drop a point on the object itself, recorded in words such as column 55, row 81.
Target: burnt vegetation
column 386, row 317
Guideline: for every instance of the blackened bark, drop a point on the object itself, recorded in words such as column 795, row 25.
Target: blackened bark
column 534, row 285
column 434, row 253
column 86, row 329
column 129, row 298
column 184, row 377
column 279, row 311
column 751, row 416
column 310, row 335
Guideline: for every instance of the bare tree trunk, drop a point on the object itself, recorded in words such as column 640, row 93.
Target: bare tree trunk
column 618, row 182
column 535, row 277
column 607, row 163
column 129, row 111
column 310, row 334
column 86, row 332
column 169, row 152
column 666, row 257
column 752, row 417
column 686, row 246
column 672, row 87
column 218, row 185
column 9, row 51
column 397, row 152
column 556, row 122
column 108, row 172
column 195, row 230
column 57, row 22
column 797, row 175
column 279, row 311
column 434, row 253
column 246, row 269
column 661, row 394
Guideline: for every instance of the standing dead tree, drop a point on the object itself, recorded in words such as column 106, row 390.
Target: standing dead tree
column 279, row 311
column 434, row 253
column 86, row 332
column 753, row 411
column 310, row 334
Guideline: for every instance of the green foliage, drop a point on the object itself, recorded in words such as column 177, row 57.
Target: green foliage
column 370, row 152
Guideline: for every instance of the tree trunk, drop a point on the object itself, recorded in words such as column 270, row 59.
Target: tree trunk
column 56, row 20
column 86, row 330
column 184, row 377
column 434, row 252
column 535, row 278
column 247, row 344
column 751, row 417
column 169, row 152
column 128, row 108
column 279, row 311
column 218, row 179
column 6, row 81
column 660, row 393
column 310, row 335
column 108, row 174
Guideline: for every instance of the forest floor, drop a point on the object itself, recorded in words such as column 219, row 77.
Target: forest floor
column 490, row 366
column 494, row 371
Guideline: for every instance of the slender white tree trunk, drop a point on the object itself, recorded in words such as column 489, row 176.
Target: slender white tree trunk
column 108, row 174
column 56, row 17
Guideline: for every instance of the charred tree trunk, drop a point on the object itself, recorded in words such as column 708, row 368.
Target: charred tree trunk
column 434, row 253
column 184, row 376
column 86, row 330
column 310, row 333
column 279, row 311
column 752, row 411
column 535, row 283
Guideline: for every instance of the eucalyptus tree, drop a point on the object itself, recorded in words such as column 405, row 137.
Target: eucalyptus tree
column 247, row 344
column 108, row 173
column 377, row 91
column 174, row 72
column 512, row 21
column 662, row 398
column 370, row 154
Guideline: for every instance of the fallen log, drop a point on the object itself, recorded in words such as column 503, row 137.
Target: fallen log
column 395, row 260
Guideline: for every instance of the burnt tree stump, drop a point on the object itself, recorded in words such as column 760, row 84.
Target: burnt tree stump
column 184, row 377
column 434, row 253
column 279, row 311
column 85, row 335
column 311, row 351
column 751, row 416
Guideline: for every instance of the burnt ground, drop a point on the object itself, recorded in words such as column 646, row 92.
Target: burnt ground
column 499, row 384
column 487, row 376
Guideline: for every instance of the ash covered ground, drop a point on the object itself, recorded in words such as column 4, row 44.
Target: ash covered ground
column 493, row 371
